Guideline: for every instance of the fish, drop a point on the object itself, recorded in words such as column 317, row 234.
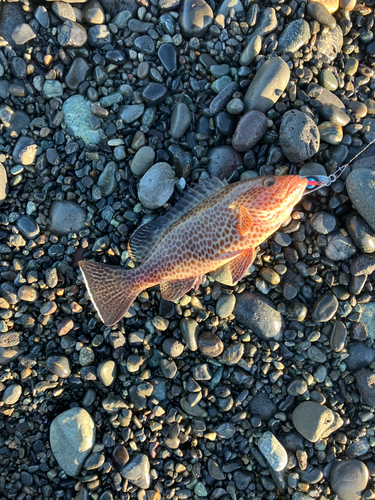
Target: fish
column 214, row 224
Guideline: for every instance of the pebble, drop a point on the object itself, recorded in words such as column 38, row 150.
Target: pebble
column 168, row 57
column 64, row 11
column 142, row 161
column 79, row 72
column 233, row 353
column 24, row 151
column 294, row 36
column 299, row 136
column 156, row 185
column 314, row 421
column 180, row 120
column 340, row 247
column 66, row 217
column 77, row 113
column 360, row 185
column 225, row 305
column 72, row 35
column 107, row 181
column 361, row 233
column 251, row 50
column 258, row 314
column 323, row 223
column 99, row 35
column 348, row 479
column 72, row 437
column 324, row 308
column 250, row 130
column 190, row 331
column 319, row 12
column 330, row 132
column 173, row 348
column 195, row 19
column 365, row 380
column 330, row 42
column 93, row 12
column 107, row 372
column 360, row 356
column 59, row 365
column 22, row 34
column 338, row 336
column 273, row 451
column 368, row 318
column 12, row 394
column 267, row 86
column 4, row 185
column 154, row 94
column 222, row 161
column 131, row 113
column 137, row 471
column 222, row 99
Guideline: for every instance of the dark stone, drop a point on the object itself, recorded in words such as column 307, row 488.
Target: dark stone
column 225, row 123
column 168, row 57
column 324, row 308
column 360, row 356
column 262, row 406
column 154, row 94
column 223, row 160
column 79, row 72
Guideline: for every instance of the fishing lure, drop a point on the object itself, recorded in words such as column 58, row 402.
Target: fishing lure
column 316, row 182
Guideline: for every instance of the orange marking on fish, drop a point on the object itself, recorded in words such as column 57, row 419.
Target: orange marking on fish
column 212, row 225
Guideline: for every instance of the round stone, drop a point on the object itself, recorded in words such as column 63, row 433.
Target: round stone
column 210, row 344
column 28, row 227
column 156, row 186
column 180, row 120
column 195, row 18
column 142, row 161
column 172, row 347
column 348, row 479
column 273, row 451
column 294, row 36
column 323, row 223
column 361, row 233
column 330, row 132
column 338, row 336
column 27, row 293
column 12, row 394
column 340, row 247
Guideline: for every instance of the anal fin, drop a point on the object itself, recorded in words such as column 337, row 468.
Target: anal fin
column 245, row 222
column 239, row 265
column 175, row 289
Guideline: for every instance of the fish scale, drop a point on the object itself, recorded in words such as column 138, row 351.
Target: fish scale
column 214, row 224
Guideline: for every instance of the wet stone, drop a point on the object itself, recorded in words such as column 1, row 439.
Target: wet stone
column 324, row 308
column 154, row 94
column 168, row 57
column 28, row 227
column 340, row 247
column 98, row 36
column 338, row 336
column 180, row 120
column 225, row 123
column 144, row 44
column 78, row 73
column 210, row 344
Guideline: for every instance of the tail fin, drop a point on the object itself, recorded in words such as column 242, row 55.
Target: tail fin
column 112, row 290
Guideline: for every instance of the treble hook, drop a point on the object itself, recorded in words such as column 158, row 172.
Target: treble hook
column 316, row 182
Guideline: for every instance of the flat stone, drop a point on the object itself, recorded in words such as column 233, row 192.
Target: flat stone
column 137, row 471
column 330, row 133
column 12, row 394
column 59, row 365
column 107, row 372
column 314, row 421
column 11, row 16
column 66, row 217
column 130, row 113
column 320, row 13
column 324, row 307
column 360, row 185
column 154, row 94
column 250, row 130
column 72, row 437
column 116, row 7
column 63, row 11
column 258, row 313
column 156, row 186
column 324, row 96
column 348, row 479
column 52, row 89
column 262, row 406
column 269, row 83
column 368, row 318
column 225, row 305
column 168, row 57
column 196, row 17
column 267, row 22
column 99, row 35
column 22, row 34
column 210, row 344
column 142, row 161
column 28, row 227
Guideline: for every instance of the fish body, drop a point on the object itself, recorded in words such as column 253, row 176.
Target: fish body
column 214, row 224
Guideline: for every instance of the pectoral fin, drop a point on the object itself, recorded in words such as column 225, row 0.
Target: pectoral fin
column 239, row 265
column 245, row 222
column 175, row 289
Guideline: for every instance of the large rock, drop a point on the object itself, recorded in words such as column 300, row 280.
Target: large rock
column 366, row 386
column 72, row 437
column 258, row 313
column 222, row 161
column 348, row 479
column 314, row 421
column 267, row 86
column 299, row 136
column 250, row 129
column 77, row 113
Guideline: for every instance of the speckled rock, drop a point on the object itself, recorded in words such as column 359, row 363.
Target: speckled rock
column 299, row 136
column 66, row 217
column 315, row 421
column 294, row 36
column 77, row 113
column 273, row 451
column 250, row 129
column 156, row 186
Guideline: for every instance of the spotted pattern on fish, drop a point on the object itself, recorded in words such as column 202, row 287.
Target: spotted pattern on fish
column 224, row 227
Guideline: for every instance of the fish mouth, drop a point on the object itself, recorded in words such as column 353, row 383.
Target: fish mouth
column 296, row 186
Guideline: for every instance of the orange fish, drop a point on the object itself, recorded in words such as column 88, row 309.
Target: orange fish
column 214, row 224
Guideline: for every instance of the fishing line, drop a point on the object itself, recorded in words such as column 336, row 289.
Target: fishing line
column 316, row 182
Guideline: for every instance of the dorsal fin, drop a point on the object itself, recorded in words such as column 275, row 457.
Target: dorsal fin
column 146, row 236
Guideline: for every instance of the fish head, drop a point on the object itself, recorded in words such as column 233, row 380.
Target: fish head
column 271, row 199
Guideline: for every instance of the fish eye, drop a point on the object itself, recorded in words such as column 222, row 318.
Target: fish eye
column 269, row 181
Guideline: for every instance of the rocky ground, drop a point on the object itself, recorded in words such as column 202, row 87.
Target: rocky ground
column 109, row 109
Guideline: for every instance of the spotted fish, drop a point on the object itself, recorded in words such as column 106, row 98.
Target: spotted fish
column 214, row 224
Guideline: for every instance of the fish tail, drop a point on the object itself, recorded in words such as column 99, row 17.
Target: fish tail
column 112, row 290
